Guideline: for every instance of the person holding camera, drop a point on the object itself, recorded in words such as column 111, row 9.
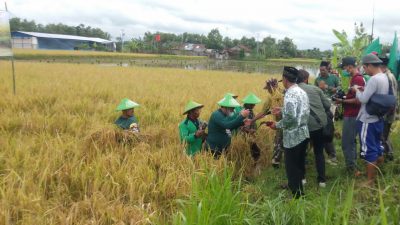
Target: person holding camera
column 351, row 108
column 369, row 124
column 191, row 129
column 221, row 122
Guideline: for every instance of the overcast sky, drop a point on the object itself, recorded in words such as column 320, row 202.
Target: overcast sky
column 308, row 22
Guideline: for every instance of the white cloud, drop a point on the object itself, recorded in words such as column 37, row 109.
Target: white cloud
column 308, row 22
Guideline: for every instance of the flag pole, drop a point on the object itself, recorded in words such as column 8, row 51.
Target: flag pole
column 12, row 58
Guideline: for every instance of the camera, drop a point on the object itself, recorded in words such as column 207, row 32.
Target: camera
column 339, row 95
column 203, row 125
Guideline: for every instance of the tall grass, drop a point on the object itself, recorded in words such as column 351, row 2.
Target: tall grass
column 63, row 162
column 215, row 199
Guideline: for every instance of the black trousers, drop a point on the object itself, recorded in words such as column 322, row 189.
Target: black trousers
column 317, row 139
column 387, row 144
column 295, row 164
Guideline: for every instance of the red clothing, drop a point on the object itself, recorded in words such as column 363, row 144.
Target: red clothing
column 351, row 110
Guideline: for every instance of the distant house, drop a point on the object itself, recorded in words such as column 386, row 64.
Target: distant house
column 234, row 52
column 34, row 40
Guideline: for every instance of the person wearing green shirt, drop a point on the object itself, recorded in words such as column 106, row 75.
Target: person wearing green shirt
column 127, row 121
column 191, row 129
column 331, row 83
column 221, row 122
column 249, row 102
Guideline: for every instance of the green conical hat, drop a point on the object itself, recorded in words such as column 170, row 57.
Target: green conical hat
column 228, row 101
column 232, row 95
column 192, row 105
column 126, row 104
column 251, row 99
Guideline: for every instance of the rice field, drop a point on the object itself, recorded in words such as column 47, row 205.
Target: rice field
column 30, row 54
column 63, row 162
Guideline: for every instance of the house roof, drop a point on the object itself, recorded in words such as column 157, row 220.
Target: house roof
column 63, row 36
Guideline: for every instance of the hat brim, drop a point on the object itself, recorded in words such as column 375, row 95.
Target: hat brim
column 187, row 111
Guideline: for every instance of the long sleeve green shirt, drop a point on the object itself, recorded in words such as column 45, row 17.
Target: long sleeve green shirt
column 187, row 131
column 218, row 138
column 319, row 104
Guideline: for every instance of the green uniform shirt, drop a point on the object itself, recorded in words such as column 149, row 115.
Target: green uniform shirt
column 319, row 103
column 218, row 138
column 187, row 130
column 125, row 123
column 332, row 81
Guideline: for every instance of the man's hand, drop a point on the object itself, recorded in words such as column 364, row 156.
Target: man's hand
column 276, row 111
column 199, row 133
column 272, row 125
column 356, row 87
column 247, row 122
column 338, row 101
column 333, row 89
column 245, row 112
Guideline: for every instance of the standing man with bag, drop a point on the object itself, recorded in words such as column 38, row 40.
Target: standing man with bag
column 319, row 104
column 390, row 118
column 351, row 108
column 330, row 84
column 370, row 127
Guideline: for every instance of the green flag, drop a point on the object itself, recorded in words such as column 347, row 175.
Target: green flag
column 393, row 63
column 374, row 47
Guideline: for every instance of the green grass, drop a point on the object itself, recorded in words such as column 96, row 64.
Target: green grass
column 344, row 201
column 215, row 199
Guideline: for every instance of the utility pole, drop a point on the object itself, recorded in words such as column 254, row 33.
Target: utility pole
column 373, row 21
column 258, row 44
column 122, row 40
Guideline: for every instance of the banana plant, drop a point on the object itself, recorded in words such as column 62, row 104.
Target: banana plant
column 354, row 47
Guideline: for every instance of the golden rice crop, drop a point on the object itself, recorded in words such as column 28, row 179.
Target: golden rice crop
column 63, row 162
column 95, row 55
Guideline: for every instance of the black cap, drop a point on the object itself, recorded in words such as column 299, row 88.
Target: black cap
column 385, row 60
column 324, row 63
column 347, row 61
column 290, row 73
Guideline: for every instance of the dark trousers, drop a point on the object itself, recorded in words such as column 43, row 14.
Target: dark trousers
column 317, row 139
column 294, row 163
column 387, row 144
column 330, row 149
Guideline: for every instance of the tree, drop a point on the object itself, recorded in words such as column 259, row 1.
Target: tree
column 16, row 24
column 227, row 42
column 214, row 40
column 249, row 42
column 269, row 48
column 287, row 48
